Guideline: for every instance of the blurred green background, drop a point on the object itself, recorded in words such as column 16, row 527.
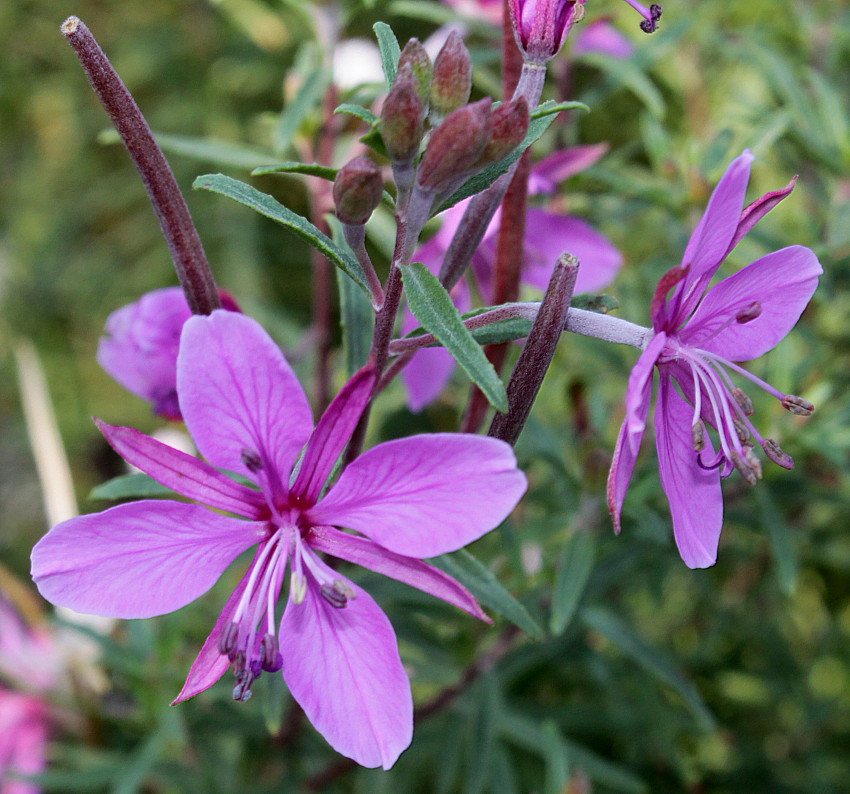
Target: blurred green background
column 649, row 677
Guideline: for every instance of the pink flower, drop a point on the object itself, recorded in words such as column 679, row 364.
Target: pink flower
column 601, row 36
column 141, row 342
column 540, row 26
column 411, row 498
column 699, row 333
column 547, row 236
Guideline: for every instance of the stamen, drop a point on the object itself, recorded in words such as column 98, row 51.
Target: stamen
column 741, row 430
column 272, row 659
column 752, row 460
column 335, row 598
column 775, row 453
column 742, row 466
column 698, row 436
column 719, row 458
column 227, row 639
column 748, row 313
column 251, row 460
column 746, row 373
column 797, row 405
column 745, row 403
column 242, row 690
column 297, row 587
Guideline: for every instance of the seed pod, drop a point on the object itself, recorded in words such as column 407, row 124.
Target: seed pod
column 357, row 191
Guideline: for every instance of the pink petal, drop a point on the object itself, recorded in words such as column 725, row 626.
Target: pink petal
column 601, row 36
column 425, row 495
column 640, row 380
column 411, row 571
column 549, row 235
column 23, row 739
column 237, row 393
column 210, row 664
column 696, row 501
column 187, row 475
column 782, row 282
column 342, row 667
column 710, row 241
column 138, row 559
column 754, row 212
column 559, row 166
column 333, row 433
column 425, row 377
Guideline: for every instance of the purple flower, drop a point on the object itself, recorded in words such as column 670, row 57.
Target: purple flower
column 601, row 36
column 412, row 498
column 141, row 343
column 547, row 236
column 699, row 333
column 540, row 26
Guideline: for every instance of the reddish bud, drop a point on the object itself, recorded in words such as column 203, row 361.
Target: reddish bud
column 357, row 191
column 415, row 55
column 401, row 117
column 540, row 26
column 510, row 124
column 455, row 146
column 451, row 80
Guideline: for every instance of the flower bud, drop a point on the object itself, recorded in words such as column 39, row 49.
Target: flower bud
column 455, row 146
column 510, row 124
column 451, row 80
column 357, row 190
column 401, row 117
column 415, row 55
column 540, row 26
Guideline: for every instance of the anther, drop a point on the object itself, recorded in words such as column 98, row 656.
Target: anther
column 698, row 436
column 742, row 466
column 741, row 430
column 335, row 598
column 251, row 460
column 242, row 690
column 748, row 313
column 752, row 461
column 238, row 660
column 227, row 639
column 744, row 402
column 797, row 405
column 775, row 453
column 297, row 587
column 272, row 660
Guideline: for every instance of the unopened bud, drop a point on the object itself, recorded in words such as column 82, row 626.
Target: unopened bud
column 540, row 26
column 415, row 55
column 510, row 124
column 797, row 405
column 297, row 587
column 401, row 122
column 698, row 436
column 742, row 466
column 455, row 146
column 745, row 403
column 357, row 190
column 775, row 453
column 752, row 461
column 251, row 460
column 748, row 313
column 451, row 79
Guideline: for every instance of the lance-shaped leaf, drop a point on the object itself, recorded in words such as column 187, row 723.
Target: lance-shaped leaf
column 432, row 306
column 271, row 208
column 390, row 51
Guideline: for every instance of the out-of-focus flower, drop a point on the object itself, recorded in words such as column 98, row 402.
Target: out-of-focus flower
column 699, row 333
column 547, row 236
column 412, row 498
column 141, row 343
column 601, row 36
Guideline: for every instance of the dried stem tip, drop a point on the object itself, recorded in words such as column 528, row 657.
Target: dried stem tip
column 168, row 204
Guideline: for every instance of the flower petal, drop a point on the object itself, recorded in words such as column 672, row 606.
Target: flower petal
column 138, row 559
column 696, row 501
column 333, row 433
column 640, row 381
column 549, row 235
column 418, row 574
column 708, row 244
column 755, row 211
column 183, row 473
column 237, row 392
column 427, row 374
column 342, row 667
column 425, row 495
column 559, row 166
column 782, row 282
column 211, row 664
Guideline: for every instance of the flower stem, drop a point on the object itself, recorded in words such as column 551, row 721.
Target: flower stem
column 164, row 194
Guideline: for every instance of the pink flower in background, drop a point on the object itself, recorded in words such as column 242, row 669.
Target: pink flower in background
column 411, row 498
column 699, row 333
column 547, row 236
column 141, row 343
column 601, row 36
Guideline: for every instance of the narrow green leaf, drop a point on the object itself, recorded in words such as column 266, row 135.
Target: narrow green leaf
column 390, row 51
column 543, row 116
column 432, row 306
column 650, row 659
column 484, row 723
column 308, row 97
column 550, row 107
column 359, row 111
column 571, row 579
column 781, row 540
column 130, row 486
column 482, row 583
column 271, row 208
column 291, row 167
column 629, row 75
column 146, row 754
column 555, row 756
